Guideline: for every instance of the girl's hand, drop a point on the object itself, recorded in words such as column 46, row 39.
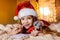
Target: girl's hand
column 16, row 29
column 34, row 33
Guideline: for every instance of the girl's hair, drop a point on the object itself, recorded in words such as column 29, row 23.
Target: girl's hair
column 34, row 18
column 47, row 30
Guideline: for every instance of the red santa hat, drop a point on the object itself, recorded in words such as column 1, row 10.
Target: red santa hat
column 24, row 9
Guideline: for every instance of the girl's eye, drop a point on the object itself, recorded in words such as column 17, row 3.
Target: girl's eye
column 22, row 18
column 28, row 18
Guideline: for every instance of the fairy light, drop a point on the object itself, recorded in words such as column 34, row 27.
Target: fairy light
column 47, row 10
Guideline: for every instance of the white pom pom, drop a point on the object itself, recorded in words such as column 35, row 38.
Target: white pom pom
column 15, row 18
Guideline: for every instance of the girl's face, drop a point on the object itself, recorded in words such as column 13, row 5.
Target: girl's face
column 27, row 21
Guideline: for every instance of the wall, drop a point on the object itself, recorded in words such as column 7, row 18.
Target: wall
column 58, row 10
column 7, row 8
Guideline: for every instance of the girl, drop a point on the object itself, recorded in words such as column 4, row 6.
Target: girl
column 27, row 15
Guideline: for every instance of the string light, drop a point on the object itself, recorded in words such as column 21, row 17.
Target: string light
column 47, row 11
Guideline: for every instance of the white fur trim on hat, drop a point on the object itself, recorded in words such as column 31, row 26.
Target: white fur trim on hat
column 15, row 18
column 25, row 12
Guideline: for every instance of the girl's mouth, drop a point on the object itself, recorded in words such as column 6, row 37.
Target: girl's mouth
column 26, row 25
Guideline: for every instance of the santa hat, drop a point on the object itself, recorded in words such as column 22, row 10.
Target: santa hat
column 24, row 9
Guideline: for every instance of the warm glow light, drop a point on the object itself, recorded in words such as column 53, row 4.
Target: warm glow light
column 41, row 10
column 45, row 11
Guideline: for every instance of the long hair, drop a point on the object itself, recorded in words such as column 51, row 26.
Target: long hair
column 47, row 30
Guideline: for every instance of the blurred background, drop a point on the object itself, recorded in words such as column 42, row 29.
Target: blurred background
column 48, row 10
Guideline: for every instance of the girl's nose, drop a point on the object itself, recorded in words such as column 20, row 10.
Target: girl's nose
column 26, row 21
